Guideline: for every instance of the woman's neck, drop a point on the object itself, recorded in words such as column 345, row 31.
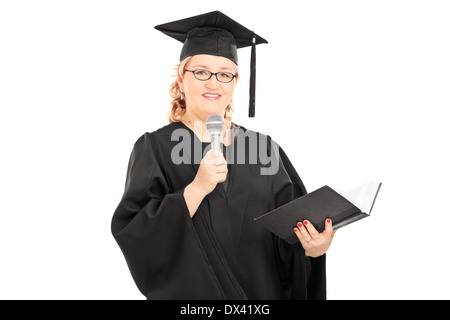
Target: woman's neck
column 199, row 128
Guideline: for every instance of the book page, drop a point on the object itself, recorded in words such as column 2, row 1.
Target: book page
column 363, row 196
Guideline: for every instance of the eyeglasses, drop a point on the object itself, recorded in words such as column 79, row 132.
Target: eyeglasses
column 204, row 75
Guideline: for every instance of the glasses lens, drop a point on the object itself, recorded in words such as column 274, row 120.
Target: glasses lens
column 225, row 76
column 202, row 74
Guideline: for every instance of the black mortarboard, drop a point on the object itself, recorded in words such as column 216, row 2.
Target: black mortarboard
column 216, row 34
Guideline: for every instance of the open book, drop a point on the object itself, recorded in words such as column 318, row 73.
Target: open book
column 317, row 206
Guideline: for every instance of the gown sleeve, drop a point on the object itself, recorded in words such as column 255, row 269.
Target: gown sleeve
column 153, row 228
column 303, row 277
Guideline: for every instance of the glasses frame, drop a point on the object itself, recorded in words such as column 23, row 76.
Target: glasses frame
column 211, row 74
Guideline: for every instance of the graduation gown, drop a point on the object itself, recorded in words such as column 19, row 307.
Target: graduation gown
column 221, row 253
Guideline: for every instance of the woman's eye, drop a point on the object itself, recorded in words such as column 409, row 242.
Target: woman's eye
column 224, row 75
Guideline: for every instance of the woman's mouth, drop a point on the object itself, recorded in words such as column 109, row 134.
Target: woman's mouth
column 211, row 96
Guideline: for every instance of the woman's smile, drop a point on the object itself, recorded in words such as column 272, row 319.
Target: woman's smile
column 211, row 96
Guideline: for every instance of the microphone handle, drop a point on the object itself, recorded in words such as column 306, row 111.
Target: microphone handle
column 215, row 142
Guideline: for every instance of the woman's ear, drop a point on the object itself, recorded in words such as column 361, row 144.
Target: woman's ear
column 180, row 73
column 180, row 82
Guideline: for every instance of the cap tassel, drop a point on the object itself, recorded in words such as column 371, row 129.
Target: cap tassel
column 251, row 110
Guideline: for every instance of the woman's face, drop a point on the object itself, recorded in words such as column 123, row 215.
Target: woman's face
column 204, row 98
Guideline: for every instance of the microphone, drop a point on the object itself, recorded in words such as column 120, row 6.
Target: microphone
column 214, row 124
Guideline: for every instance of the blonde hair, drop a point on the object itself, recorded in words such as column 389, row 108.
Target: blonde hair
column 178, row 104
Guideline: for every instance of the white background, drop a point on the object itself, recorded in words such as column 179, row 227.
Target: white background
column 352, row 90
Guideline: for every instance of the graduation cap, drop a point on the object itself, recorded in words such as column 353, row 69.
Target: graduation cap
column 216, row 34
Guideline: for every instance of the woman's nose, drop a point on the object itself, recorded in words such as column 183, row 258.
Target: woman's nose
column 212, row 83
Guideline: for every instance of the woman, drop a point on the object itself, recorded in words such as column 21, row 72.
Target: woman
column 186, row 228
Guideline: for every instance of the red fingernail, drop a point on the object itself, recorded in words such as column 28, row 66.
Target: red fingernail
column 328, row 220
column 295, row 229
column 299, row 224
column 305, row 222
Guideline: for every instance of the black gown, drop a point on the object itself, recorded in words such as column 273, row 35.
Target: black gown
column 221, row 253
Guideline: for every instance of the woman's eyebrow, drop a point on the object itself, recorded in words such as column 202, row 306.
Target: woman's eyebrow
column 208, row 68
column 200, row 66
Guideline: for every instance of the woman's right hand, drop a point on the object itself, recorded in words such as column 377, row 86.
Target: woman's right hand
column 213, row 170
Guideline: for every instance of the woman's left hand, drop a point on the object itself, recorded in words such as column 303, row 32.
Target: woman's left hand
column 314, row 243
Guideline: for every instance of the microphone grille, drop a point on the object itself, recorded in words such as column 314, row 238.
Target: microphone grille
column 214, row 123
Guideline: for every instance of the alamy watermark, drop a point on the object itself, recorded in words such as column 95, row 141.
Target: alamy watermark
column 259, row 151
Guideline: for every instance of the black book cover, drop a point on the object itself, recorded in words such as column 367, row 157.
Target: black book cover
column 317, row 206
